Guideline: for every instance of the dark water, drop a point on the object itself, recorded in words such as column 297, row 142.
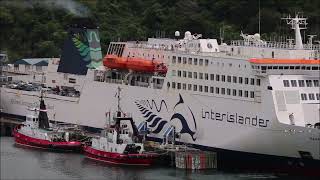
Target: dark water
column 22, row 163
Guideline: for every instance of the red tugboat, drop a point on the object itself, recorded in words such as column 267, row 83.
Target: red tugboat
column 35, row 132
column 119, row 143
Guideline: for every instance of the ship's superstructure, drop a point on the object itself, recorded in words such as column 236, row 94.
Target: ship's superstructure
column 252, row 96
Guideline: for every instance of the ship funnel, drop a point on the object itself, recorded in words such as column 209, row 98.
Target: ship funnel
column 81, row 50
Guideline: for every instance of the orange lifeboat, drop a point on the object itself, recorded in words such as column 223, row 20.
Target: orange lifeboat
column 134, row 64
column 114, row 62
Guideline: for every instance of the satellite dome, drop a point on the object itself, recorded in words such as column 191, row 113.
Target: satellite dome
column 187, row 35
column 177, row 33
column 256, row 36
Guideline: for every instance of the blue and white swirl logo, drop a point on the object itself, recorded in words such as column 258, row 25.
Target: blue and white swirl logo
column 181, row 115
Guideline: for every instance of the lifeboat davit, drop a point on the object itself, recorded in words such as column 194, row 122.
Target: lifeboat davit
column 134, row 64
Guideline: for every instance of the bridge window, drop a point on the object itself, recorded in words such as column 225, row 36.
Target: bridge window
column 297, row 67
column 293, row 83
column 274, row 67
column 308, row 67
column 304, row 97
column 286, row 83
column 311, row 96
column 309, row 83
column 301, row 83
column 315, row 67
column 316, row 83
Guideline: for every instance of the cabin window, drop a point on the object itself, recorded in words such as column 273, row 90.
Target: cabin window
column 201, row 62
column 251, row 94
column 303, row 67
column 195, row 87
column 190, row 61
column 217, row 77
column 72, row 80
column 173, row 85
column 286, row 83
column 179, row 60
column 291, row 67
column 223, row 91
column 206, row 89
column 217, row 90
column 211, row 90
column 234, row 92
column 184, row 86
column 304, row 97
column 318, row 96
column 206, row 62
column 258, row 82
column 297, row 67
column 274, row 67
column 301, row 83
column 240, row 93
column 179, row 73
column 179, row 86
column 286, row 67
column 252, row 81
column 173, row 72
column 309, row 83
column 228, row 78
column 311, row 96
column 293, row 83
column 272, row 54
column 246, row 94
column 280, row 67
column 211, row 77
column 223, row 78
column 200, row 88
column 206, row 76
column 308, row 67
column 200, row 75
column 246, row 80
column 234, row 79
column 315, row 67
column 316, row 83
column 195, row 61
column 173, row 59
column 184, row 74
column 195, row 75
column 240, row 80
column 189, row 74
column 189, row 87
column 269, row 67
column 228, row 91
column 184, row 60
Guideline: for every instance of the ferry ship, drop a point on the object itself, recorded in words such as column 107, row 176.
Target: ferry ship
column 254, row 102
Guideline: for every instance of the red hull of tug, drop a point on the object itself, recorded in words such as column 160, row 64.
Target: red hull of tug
column 120, row 159
column 32, row 142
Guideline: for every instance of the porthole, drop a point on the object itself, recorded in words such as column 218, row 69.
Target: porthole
column 209, row 45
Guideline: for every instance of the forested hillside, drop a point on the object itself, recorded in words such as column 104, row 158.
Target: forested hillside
column 37, row 28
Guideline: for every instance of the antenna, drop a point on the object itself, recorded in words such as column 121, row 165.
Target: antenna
column 259, row 19
column 295, row 24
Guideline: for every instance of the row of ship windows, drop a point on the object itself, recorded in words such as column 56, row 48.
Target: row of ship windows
column 216, row 77
column 194, row 61
column 286, row 67
column 212, row 90
column 301, row 83
column 304, row 96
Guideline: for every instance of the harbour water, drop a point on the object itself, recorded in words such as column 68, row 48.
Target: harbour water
column 23, row 163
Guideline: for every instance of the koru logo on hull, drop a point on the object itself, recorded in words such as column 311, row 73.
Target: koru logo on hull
column 150, row 110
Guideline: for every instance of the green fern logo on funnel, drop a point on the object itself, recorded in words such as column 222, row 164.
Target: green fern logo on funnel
column 89, row 50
